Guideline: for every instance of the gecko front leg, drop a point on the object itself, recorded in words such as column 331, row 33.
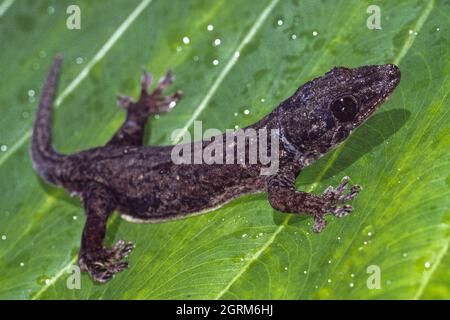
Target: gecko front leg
column 284, row 197
column 101, row 263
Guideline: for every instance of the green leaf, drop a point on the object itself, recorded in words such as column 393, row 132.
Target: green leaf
column 401, row 220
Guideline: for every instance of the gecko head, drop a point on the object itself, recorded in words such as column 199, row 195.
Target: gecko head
column 323, row 112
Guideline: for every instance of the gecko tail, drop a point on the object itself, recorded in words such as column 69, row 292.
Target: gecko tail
column 45, row 158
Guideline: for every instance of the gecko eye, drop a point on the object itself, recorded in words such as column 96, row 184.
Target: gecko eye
column 345, row 108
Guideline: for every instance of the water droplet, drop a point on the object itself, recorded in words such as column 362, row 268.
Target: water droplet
column 329, row 261
column 47, row 281
column 42, row 54
column 210, row 27
column 427, row 264
column 368, row 230
column 246, row 111
column 405, row 254
column 352, row 275
column 79, row 60
column 305, row 272
column 21, row 264
column 196, row 58
column 172, row 104
column 260, row 234
column 4, row 237
column 285, row 268
column 186, row 40
column 4, row 148
column 235, row 114
column 315, row 33
column 329, row 280
column 223, row 219
column 242, row 259
column 365, row 242
column 339, row 238
column 217, row 42
column 236, row 127
column 437, row 29
column 280, row 22
column 31, row 93
column 294, row 36
column 415, row 33
column 215, row 62
column 263, row 100
column 74, row 217
column 244, row 235
column 156, row 116
column 50, row 10
column 237, row 54
column 351, row 285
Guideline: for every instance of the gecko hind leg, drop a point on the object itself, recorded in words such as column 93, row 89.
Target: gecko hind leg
column 131, row 133
column 100, row 262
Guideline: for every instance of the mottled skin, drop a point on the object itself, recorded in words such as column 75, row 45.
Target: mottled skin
column 144, row 184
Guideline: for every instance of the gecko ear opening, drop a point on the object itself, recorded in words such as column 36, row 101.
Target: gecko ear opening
column 345, row 108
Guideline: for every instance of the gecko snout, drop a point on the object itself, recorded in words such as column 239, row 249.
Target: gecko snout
column 393, row 71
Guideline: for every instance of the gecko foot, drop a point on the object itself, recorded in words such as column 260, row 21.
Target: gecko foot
column 334, row 196
column 104, row 264
column 162, row 103
column 151, row 103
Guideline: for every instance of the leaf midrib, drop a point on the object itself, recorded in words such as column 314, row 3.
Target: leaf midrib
column 6, row 4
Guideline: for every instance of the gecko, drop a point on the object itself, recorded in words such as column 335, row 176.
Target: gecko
column 144, row 185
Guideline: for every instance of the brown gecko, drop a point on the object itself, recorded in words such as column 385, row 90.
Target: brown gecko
column 144, row 185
